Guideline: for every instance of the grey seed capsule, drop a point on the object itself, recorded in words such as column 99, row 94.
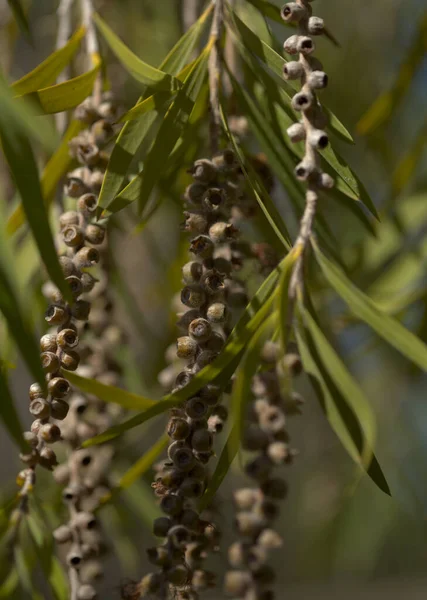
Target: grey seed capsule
column 178, row 429
column 62, row 534
column 87, row 204
column 293, row 70
column 237, row 583
column 260, row 468
column 305, row 45
column 200, row 330
column 86, row 257
column 270, row 352
column 179, row 535
column 186, row 318
column 270, row 539
column 48, row 458
column 272, row 419
column 193, row 296
column 74, row 557
column 171, row 504
column 35, row 391
column 67, row 266
column 183, row 379
column 274, row 488
column 249, row 523
column 246, row 498
column 305, row 169
column 215, row 343
column 75, row 285
column 221, row 232
column 48, row 343
column 87, row 154
column 204, row 358
column 186, row 347
column 29, row 459
column 40, row 408
column 318, row 139
column 74, row 187
column 50, row 362
column 62, row 474
column 194, row 193
column 183, row 458
column 57, row 315
column 80, row 310
column 67, row 338
column 293, row 12
column 73, row 236
column 296, row 132
column 70, row 217
column 86, row 592
column 159, row 556
column 326, row 182
column 95, row 234
column 290, row 45
column 35, row 426
column 31, row 438
column 88, row 281
column 101, row 131
column 237, row 555
column 96, row 180
column 195, row 222
column 50, row 433
column 212, row 282
column 214, row 199
column 255, row 438
column 202, row 580
column 191, row 272
column 317, row 80
column 302, row 100
column 278, row 452
column 196, row 408
column 85, row 521
column 211, row 393
column 58, row 387
column 316, row 26
column 201, row 440
column 292, row 364
column 204, row 171
column 59, row 409
column 202, row 246
column 70, row 360
column 161, row 526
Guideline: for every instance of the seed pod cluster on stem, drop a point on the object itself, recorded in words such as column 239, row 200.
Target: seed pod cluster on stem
column 265, row 437
column 209, row 296
column 61, row 414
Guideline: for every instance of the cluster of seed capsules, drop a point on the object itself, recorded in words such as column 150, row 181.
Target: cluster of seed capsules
column 209, row 295
column 309, row 71
column 60, row 415
column 265, row 436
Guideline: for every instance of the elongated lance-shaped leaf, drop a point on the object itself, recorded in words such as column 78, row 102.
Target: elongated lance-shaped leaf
column 276, row 62
column 255, row 313
column 240, row 399
column 140, row 70
column 110, row 393
column 365, row 309
column 20, row 157
column 137, row 470
column 8, row 413
column 382, row 109
column 66, row 95
column 346, row 408
column 47, row 71
column 133, row 133
column 173, row 125
column 59, row 163
column 263, row 199
column 21, row 18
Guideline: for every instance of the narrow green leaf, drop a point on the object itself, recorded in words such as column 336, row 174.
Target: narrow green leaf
column 9, row 585
column 254, row 315
column 264, row 200
column 173, row 125
column 341, row 399
column 133, row 133
column 239, row 401
column 66, row 95
column 58, row 165
column 268, row 9
column 409, row 163
column 23, row 166
column 136, row 471
column 20, row 18
column 8, row 413
column 157, row 102
column 140, row 70
column 365, row 309
column 110, row 393
column 47, row 71
column 382, row 109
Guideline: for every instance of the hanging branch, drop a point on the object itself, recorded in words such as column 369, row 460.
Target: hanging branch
column 64, row 32
column 92, row 47
column 215, row 68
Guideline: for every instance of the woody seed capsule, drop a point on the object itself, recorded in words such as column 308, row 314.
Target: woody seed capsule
column 59, row 409
column 95, row 234
column 67, row 338
column 58, row 387
column 50, row 433
column 86, row 257
column 56, row 315
column 191, row 272
column 69, row 218
column 70, row 360
column 186, row 347
column 193, row 296
column 40, row 408
column 73, row 236
column 200, row 330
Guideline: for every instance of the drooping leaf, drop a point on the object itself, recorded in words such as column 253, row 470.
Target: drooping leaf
column 133, row 132
column 47, row 71
column 23, row 166
column 382, row 109
column 8, row 413
column 365, row 309
column 140, row 70
column 21, row 18
column 174, row 123
column 263, row 198
column 240, row 398
column 110, row 393
column 66, row 95
column 9, row 585
column 408, row 164
column 59, row 163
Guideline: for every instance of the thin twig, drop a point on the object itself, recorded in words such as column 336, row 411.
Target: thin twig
column 215, row 68
column 64, row 32
column 92, row 47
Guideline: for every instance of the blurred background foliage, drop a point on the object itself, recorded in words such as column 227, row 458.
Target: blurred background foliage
column 343, row 536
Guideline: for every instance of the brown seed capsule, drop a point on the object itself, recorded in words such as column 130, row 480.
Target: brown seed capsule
column 70, row 360
column 275, row 488
column 50, row 433
column 215, row 343
column 178, row 429
column 95, row 234
column 67, row 338
column 260, row 468
column 73, row 236
column 159, row 556
column 161, row 526
column 31, row 438
column 48, row 458
column 249, row 523
column 195, row 222
column 186, row 347
column 194, row 193
column 202, row 246
column 35, row 391
column 270, row 539
column 88, row 282
column 212, row 281
column 48, row 343
column 68, row 218
column 191, row 272
column 182, row 457
column 80, row 310
column 193, row 296
column 59, row 409
column 58, row 387
column 57, row 315
column 221, row 232
column 217, row 312
column 254, row 438
column 179, row 535
column 178, row 575
column 63, row 534
column 201, row 440
column 67, row 266
column 171, row 504
column 74, row 187
column 272, row 419
column 205, row 358
column 196, row 408
column 214, row 199
column 237, row 583
column 204, row 171
column 50, row 362
column 40, row 408
column 186, row 318
column 75, row 285
column 86, row 257
column 200, row 330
